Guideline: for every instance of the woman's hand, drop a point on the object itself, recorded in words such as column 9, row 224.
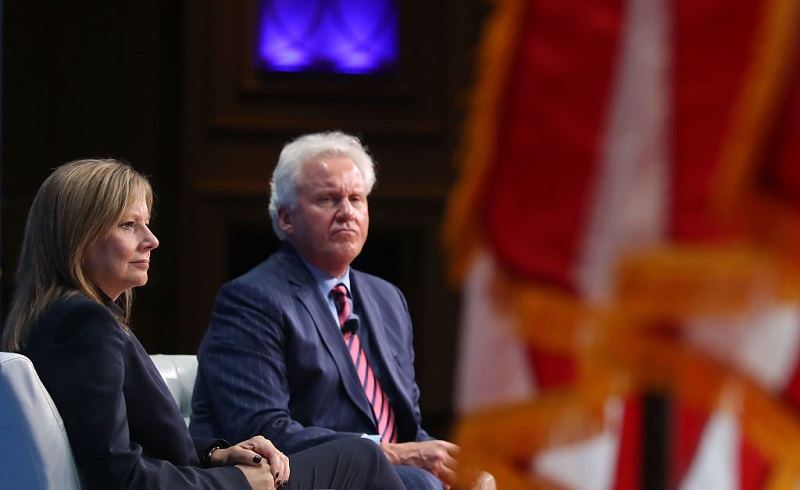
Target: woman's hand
column 258, row 476
column 250, row 453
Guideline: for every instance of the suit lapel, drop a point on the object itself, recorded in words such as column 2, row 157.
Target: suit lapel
column 308, row 295
column 370, row 305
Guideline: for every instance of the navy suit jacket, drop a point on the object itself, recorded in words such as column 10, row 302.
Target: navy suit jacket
column 273, row 361
column 122, row 422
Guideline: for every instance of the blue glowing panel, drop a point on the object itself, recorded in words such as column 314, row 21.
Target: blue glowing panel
column 331, row 36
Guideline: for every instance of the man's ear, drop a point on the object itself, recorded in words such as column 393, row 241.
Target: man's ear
column 285, row 220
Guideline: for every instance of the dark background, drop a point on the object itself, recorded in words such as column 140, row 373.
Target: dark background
column 170, row 86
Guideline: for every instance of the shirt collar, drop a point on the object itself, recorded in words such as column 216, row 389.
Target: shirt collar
column 325, row 282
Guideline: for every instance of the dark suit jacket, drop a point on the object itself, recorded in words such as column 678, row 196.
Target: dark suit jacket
column 273, row 361
column 122, row 422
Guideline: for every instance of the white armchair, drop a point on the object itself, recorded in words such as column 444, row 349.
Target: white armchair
column 179, row 372
column 34, row 450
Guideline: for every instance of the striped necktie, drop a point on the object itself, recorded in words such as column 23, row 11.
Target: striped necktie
column 381, row 409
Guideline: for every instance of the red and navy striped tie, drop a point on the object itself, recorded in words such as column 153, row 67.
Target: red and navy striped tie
column 381, row 409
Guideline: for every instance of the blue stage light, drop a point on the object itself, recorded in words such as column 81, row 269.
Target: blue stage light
column 328, row 36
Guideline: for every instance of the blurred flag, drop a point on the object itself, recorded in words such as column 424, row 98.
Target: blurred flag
column 663, row 136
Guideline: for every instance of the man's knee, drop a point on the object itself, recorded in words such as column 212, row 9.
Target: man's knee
column 417, row 479
column 364, row 448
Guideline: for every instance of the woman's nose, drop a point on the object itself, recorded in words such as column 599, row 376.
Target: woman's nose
column 150, row 241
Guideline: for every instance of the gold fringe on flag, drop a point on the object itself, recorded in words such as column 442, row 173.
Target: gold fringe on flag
column 766, row 79
column 618, row 347
column 463, row 229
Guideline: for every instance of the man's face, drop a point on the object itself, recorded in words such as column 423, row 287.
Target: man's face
column 328, row 224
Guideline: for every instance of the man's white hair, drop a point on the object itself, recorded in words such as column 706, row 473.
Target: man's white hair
column 306, row 149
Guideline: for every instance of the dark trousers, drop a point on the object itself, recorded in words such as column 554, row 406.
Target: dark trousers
column 417, row 479
column 343, row 464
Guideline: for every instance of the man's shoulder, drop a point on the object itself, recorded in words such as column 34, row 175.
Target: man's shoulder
column 365, row 279
column 271, row 275
column 264, row 271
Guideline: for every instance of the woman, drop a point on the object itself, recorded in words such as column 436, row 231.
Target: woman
column 87, row 244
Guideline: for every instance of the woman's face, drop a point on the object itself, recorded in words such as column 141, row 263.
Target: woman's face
column 119, row 260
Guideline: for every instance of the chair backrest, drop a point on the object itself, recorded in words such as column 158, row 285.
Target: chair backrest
column 179, row 372
column 34, row 449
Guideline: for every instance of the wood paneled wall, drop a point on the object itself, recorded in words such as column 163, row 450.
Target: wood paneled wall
column 94, row 79
column 171, row 87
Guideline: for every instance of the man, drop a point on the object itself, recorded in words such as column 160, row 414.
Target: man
column 303, row 349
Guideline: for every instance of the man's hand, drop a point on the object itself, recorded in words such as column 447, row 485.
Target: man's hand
column 437, row 457
column 250, row 453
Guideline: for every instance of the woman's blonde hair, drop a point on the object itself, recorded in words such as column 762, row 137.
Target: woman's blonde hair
column 77, row 204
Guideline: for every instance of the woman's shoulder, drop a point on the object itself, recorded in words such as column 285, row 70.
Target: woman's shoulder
column 76, row 305
column 78, row 315
column 74, row 327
